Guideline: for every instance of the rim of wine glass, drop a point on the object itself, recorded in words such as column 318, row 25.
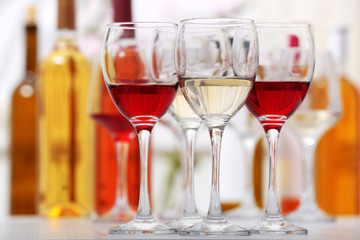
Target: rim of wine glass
column 282, row 25
column 217, row 21
column 137, row 25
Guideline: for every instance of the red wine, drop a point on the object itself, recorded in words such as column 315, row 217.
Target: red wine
column 273, row 102
column 143, row 103
column 116, row 124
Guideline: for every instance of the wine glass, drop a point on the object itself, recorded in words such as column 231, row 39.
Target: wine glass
column 282, row 81
column 216, row 66
column 189, row 123
column 319, row 112
column 102, row 110
column 142, row 96
column 249, row 131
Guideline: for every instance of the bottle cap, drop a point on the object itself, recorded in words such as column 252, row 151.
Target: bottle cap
column 293, row 41
column 122, row 10
column 30, row 15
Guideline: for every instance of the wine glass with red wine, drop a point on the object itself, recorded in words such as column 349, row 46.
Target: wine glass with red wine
column 216, row 65
column 102, row 110
column 143, row 93
column 282, row 81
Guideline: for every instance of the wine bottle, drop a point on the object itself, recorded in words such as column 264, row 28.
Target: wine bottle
column 338, row 152
column 23, row 130
column 65, row 129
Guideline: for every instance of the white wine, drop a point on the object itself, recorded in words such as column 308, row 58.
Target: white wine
column 312, row 122
column 216, row 98
column 180, row 108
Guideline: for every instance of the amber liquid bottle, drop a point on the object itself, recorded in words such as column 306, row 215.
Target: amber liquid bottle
column 105, row 151
column 23, row 130
column 64, row 127
column 338, row 153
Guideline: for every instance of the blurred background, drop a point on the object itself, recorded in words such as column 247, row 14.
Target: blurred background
column 91, row 18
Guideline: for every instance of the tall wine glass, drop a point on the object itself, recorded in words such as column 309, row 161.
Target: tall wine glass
column 319, row 112
column 282, row 81
column 249, row 131
column 189, row 123
column 142, row 97
column 216, row 65
column 102, row 110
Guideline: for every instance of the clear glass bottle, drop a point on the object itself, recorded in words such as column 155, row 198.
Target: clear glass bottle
column 65, row 129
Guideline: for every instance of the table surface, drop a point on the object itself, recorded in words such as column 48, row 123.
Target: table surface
column 24, row 228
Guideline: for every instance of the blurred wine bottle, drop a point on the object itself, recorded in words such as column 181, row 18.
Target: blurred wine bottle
column 65, row 129
column 105, row 152
column 338, row 153
column 258, row 177
column 23, row 129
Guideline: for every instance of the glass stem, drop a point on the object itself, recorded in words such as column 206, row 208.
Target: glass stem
column 144, row 211
column 189, row 204
column 122, row 151
column 308, row 192
column 215, row 212
column 272, row 211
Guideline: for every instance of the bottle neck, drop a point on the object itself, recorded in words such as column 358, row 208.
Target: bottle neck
column 338, row 47
column 31, row 47
column 122, row 10
column 65, row 38
column 341, row 67
column 66, row 14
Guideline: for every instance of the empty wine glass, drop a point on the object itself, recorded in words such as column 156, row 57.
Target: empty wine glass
column 282, row 81
column 142, row 94
column 102, row 110
column 216, row 66
column 319, row 112
column 249, row 131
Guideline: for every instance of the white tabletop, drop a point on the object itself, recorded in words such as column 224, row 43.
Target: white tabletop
column 24, row 228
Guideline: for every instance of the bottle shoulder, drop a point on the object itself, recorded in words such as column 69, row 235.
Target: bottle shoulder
column 348, row 87
column 57, row 54
column 27, row 84
column 62, row 53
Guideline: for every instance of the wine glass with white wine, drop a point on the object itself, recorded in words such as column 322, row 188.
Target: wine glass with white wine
column 216, row 66
column 319, row 112
column 189, row 122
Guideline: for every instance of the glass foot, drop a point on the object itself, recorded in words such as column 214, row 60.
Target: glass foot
column 119, row 217
column 210, row 227
column 118, row 214
column 184, row 222
column 309, row 214
column 142, row 227
column 276, row 227
column 244, row 211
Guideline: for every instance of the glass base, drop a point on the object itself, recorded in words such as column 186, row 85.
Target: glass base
column 184, row 222
column 245, row 211
column 309, row 214
column 276, row 227
column 142, row 227
column 115, row 217
column 211, row 227
column 118, row 214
